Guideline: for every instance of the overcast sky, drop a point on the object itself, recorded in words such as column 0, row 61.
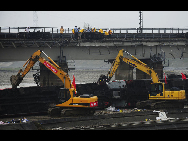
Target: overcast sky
column 102, row 19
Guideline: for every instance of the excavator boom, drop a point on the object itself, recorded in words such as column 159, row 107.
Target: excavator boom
column 141, row 66
column 17, row 79
column 135, row 63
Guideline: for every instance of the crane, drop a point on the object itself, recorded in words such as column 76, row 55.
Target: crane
column 83, row 103
column 158, row 96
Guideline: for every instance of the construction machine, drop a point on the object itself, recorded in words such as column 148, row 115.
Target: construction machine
column 68, row 103
column 159, row 97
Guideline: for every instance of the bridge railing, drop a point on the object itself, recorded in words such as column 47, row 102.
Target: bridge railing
column 53, row 32
column 114, row 30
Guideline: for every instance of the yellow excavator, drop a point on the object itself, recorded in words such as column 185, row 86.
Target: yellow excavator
column 68, row 104
column 159, row 97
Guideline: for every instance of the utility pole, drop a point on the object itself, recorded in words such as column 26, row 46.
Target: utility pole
column 35, row 19
column 140, row 21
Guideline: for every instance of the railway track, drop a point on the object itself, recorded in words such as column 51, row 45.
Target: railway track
column 180, row 124
column 118, row 121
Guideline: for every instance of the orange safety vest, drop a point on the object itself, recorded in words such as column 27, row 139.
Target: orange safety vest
column 101, row 31
column 73, row 31
column 109, row 32
column 61, row 30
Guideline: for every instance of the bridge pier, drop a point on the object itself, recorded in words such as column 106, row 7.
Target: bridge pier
column 125, row 71
column 157, row 66
column 48, row 78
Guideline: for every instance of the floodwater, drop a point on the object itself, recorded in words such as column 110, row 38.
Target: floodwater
column 81, row 76
column 86, row 71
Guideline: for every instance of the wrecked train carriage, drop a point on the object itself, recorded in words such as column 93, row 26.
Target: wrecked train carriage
column 135, row 91
column 27, row 100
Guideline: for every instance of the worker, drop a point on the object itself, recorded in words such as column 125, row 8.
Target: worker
column 106, row 33
column 27, row 32
column 109, row 33
column 61, row 31
column 73, row 31
column 88, row 30
column 100, row 30
column 27, row 29
column 82, row 30
column 76, row 32
column 93, row 29
column 80, row 33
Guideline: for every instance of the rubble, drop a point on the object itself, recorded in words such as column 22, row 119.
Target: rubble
column 162, row 116
column 22, row 120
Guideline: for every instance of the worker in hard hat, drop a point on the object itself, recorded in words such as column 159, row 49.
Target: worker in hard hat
column 93, row 29
column 73, row 32
column 76, row 32
column 106, row 33
column 80, row 32
column 100, row 30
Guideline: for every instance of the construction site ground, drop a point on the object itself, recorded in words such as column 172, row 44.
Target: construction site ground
column 102, row 120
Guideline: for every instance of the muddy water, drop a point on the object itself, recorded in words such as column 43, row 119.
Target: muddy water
column 81, row 76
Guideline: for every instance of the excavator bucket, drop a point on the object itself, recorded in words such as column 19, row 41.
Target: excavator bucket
column 15, row 80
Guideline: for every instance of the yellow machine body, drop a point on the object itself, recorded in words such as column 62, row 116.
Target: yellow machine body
column 158, row 91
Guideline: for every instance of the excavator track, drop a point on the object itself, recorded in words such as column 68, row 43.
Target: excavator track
column 60, row 112
column 152, row 104
column 167, row 105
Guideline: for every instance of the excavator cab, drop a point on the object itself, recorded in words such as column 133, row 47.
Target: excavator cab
column 63, row 95
column 156, row 88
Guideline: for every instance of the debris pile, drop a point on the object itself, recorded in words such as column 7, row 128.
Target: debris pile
column 22, row 120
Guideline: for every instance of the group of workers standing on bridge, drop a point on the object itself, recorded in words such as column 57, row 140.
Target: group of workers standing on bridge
column 78, row 33
column 89, row 33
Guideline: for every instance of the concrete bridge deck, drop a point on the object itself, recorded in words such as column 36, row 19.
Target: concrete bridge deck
column 20, row 49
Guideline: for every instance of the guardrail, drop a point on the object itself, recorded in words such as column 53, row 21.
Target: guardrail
column 114, row 30
column 53, row 32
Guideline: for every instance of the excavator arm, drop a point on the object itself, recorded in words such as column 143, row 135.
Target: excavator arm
column 115, row 65
column 141, row 66
column 17, row 79
column 134, row 63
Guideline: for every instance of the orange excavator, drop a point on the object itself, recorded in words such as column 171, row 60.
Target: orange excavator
column 68, row 104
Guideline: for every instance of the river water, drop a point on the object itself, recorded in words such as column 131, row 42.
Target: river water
column 81, row 76
column 85, row 71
